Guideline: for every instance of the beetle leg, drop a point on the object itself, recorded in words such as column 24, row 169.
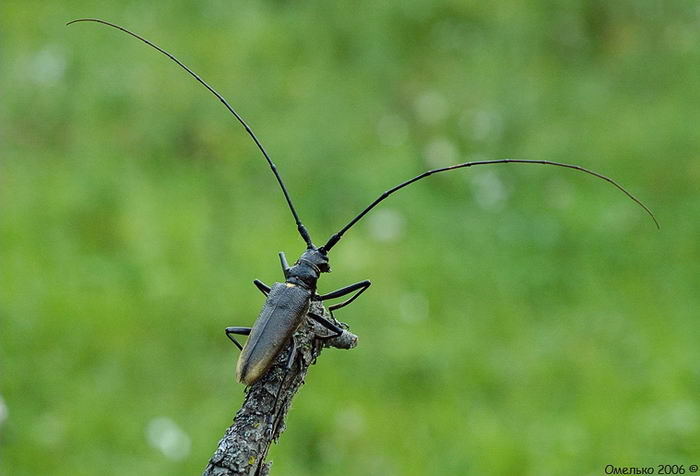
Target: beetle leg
column 290, row 361
column 241, row 331
column 327, row 324
column 264, row 288
column 362, row 286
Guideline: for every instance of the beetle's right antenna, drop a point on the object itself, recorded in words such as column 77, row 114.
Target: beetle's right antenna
column 336, row 237
column 302, row 230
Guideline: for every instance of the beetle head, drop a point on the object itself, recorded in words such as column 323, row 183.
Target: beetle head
column 316, row 258
column 308, row 268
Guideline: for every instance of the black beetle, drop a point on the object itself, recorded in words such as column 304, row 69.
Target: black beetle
column 287, row 304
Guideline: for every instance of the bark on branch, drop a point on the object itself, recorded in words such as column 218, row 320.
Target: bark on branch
column 243, row 449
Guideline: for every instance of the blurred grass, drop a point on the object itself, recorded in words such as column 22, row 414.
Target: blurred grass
column 523, row 320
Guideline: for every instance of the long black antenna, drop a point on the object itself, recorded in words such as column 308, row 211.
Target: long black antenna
column 302, row 230
column 336, row 237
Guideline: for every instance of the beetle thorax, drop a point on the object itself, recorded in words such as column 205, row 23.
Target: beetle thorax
column 308, row 268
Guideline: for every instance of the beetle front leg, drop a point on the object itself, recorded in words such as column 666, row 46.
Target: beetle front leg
column 241, row 331
column 285, row 265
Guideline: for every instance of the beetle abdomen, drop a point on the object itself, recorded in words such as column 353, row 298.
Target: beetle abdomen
column 283, row 312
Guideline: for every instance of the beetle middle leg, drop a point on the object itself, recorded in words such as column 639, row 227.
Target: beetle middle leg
column 359, row 287
column 241, row 331
column 362, row 286
column 327, row 324
column 244, row 331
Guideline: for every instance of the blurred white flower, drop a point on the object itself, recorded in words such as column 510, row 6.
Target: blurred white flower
column 481, row 124
column 47, row 66
column 441, row 152
column 3, row 411
column 488, row 189
column 431, row 107
column 165, row 435
column 386, row 225
column 350, row 422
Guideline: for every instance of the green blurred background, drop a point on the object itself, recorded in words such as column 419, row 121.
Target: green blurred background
column 523, row 320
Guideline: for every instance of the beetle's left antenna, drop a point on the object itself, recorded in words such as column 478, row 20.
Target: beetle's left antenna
column 302, row 229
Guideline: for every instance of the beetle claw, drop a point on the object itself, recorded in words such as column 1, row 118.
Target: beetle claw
column 270, row 424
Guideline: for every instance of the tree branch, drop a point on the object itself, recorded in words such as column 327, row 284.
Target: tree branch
column 243, row 449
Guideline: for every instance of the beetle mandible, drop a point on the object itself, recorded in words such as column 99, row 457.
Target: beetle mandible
column 287, row 304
